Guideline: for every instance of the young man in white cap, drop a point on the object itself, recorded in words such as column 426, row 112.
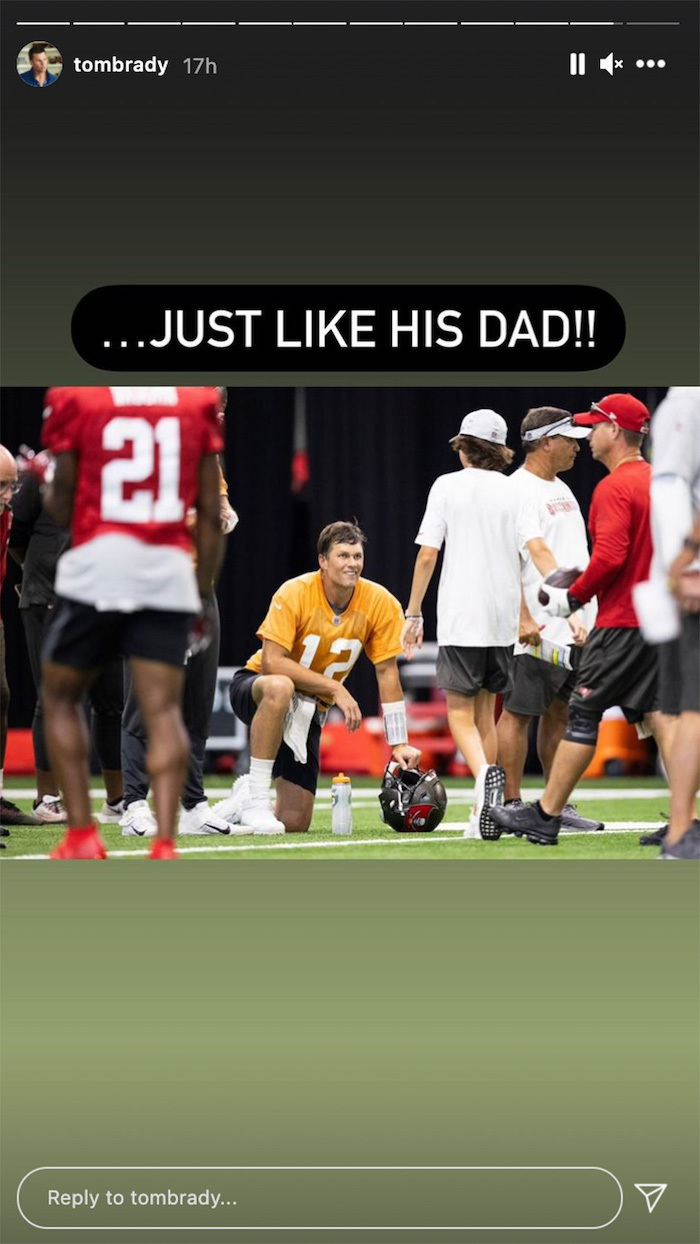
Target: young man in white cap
column 483, row 524
column 543, row 675
column 618, row 667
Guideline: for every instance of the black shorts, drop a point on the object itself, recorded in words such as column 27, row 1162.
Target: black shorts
column 470, row 670
column 617, row 669
column 670, row 677
column 84, row 638
column 690, row 663
column 286, row 765
column 536, row 683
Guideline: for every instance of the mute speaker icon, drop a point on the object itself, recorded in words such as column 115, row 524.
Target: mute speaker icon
column 607, row 63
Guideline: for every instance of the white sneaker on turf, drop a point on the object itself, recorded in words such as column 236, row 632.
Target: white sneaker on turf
column 230, row 808
column 138, row 821
column 257, row 818
column 472, row 830
column 202, row 820
column 110, row 813
column 50, row 810
column 247, row 815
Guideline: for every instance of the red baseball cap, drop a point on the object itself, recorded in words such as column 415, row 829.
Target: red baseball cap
column 620, row 408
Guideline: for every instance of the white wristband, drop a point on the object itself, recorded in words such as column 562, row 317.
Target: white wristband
column 395, row 725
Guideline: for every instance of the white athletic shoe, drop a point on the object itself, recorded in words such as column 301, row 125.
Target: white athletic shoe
column 257, row 818
column 201, row 820
column 230, row 808
column 138, row 821
column 472, row 830
column 110, row 813
column 50, row 810
column 248, row 816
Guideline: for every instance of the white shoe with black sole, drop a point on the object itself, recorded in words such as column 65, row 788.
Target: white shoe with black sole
column 490, row 789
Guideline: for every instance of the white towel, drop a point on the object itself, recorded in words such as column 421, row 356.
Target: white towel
column 297, row 724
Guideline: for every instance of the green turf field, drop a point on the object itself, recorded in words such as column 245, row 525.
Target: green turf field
column 627, row 805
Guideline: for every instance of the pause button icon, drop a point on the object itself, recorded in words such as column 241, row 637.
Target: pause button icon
column 577, row 64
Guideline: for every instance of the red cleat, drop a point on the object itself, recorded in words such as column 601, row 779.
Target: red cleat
column 163, row 849
column 80, row 844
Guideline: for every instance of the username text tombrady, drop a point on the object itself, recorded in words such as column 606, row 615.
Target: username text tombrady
column 116, row 65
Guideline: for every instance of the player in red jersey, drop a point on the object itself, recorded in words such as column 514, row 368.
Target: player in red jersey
column 130, row 463
column 617, row 667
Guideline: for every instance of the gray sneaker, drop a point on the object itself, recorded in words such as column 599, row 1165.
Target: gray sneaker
column 687, row 847
column 10, row 814
column 526, row 822
column 655, row 837
column 571, row 819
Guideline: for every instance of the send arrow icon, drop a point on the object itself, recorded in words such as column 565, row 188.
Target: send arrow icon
column 652, row 1194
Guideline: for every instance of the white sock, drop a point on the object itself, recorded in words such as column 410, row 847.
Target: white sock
column 2, row 782
column 479, row 788
column 260, row 780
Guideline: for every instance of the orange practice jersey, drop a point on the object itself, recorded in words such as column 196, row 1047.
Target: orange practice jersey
column 302, row 622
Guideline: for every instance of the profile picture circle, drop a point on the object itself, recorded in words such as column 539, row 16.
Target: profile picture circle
column 39, row 63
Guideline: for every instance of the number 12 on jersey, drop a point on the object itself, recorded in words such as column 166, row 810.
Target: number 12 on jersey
column 311, row 642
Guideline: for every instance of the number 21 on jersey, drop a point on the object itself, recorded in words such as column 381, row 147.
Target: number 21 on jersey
column 149, row 442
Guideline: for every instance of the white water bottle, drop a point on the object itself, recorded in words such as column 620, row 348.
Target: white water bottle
column 341, row 806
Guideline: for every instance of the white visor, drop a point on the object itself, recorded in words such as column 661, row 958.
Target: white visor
column 562, row 427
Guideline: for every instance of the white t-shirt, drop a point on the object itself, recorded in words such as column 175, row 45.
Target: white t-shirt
column 561, row 526
column 675, row 482
column 483, row 524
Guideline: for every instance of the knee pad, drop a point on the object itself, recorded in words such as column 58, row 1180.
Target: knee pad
column 582, row 727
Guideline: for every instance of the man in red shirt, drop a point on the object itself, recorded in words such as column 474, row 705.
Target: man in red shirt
column 617, row 667
column 130, row 463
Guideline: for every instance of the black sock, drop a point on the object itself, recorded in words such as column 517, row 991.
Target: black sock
column 545, row 815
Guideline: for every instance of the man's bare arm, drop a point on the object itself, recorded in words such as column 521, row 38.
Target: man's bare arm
column 208, row 541
column 412, row 631
column 542, row 556
column 276, row 660
column 391, row 694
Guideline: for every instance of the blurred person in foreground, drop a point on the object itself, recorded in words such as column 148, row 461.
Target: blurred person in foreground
column 130, row 463
column 201, row 672
column 675, row 494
